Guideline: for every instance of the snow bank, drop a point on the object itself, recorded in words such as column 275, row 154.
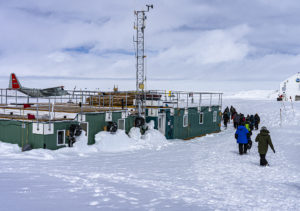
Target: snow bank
column 105, row 142
column 15, row 152
column 7, row 149
column 120, row 141
column 253, row 95
column 135, row 133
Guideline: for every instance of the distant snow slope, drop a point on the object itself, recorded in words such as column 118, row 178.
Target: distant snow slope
column 252, row 94
column 147, row 173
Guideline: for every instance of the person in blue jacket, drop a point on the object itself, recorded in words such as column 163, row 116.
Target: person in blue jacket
column 242, row 136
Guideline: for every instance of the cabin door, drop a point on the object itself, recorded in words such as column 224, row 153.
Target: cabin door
column 161, row 124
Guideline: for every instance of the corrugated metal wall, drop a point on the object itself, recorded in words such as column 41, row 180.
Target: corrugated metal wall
column 97, row 123
column 51, row 140
column 174, row 123
column 194, row 127
column 11, row 131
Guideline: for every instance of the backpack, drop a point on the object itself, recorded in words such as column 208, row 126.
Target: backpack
column 249, row 145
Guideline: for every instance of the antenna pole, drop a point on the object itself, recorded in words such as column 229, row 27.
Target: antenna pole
column 139, row 26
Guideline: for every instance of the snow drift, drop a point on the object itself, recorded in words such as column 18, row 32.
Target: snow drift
column 120, row 141
column 105, row 142
column 253, row 95
column 204, row 174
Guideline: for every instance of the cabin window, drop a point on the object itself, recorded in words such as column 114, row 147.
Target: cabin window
column 215, row 116
column 60, row 137
column 201, row 117
column 121, row 124
column 185, row 120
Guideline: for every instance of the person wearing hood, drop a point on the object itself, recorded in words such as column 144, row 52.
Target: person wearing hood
column 225, row 118
column 256, row 121
column 236, row 120
column 264, row 140
column 242, row 136
column 252, row 122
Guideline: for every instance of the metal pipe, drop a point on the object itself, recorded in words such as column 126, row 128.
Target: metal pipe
column 49, row 127
column 178, row 96
column 103, row 101
column 126, row 102
column 109, row 100
column 187, row 100
column 37, row 112
column 99, row 97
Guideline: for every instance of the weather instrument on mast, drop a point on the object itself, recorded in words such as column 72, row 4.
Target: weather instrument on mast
column 139, row 26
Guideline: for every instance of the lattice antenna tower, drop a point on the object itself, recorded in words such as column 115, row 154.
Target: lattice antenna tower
column 139, row 26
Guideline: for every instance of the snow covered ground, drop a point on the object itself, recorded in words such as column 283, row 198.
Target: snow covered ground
column 151, row 173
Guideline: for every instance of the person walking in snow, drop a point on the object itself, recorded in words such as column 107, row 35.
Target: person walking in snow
column 264, row 140
column 251, row 122
column 228, row 113
column 236, row 120
column 225, row 118
column 242, row 119
column 232, row 116
column 247, row 125
column 226, row 109
column 232, row 112
column 248, row 118
column 256, row 121
column 242, row 136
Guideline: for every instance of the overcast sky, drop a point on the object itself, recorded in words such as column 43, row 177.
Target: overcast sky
column 192, row 44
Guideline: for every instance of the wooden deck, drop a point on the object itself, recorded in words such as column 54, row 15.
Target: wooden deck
column 62, row 107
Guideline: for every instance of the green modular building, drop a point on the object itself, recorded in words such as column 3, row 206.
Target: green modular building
column 174, row 123
column 55, row 134
column 52, row 126
column 48, row 135
column 186, row 123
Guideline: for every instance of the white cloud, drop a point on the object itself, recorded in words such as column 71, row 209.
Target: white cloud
column 211, row 47
column 201, row 40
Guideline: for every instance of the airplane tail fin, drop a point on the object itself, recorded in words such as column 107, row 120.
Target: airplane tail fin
column 14, row 82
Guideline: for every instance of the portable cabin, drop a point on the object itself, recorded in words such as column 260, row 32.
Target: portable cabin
column 37, row 134
column 49, row 122
column 186, row 123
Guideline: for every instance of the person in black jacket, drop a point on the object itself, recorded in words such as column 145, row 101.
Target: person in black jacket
column 256, row 121
column 225, row 118
column 251, row 122
column 232, row 112
column 236, row 120
column 242, row 119
column 228, row 113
